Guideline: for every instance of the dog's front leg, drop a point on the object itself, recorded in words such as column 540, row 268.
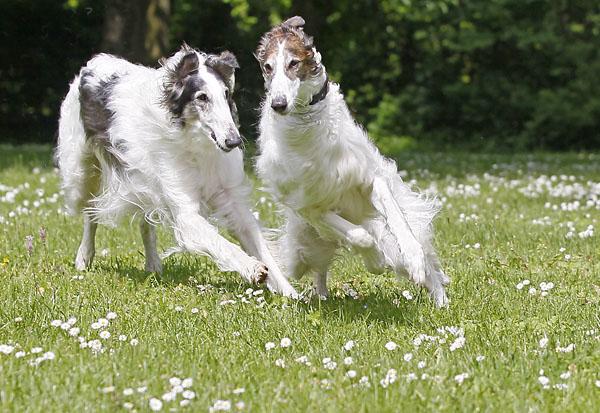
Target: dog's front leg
column 412, row 253
column 195, row 234
column 241, row 221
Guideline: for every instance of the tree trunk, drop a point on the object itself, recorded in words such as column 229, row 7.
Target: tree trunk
column 137, row 30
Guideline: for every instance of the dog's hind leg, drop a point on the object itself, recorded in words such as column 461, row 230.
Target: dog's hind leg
column 87, row 248
column 148, row 231
column 303, row 250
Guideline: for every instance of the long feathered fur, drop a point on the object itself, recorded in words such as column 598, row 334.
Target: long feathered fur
column 336, row 186
column 136, row 141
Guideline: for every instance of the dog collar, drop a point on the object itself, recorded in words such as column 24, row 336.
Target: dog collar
column 322, row 93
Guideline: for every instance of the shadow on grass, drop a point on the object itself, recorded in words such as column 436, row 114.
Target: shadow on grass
column 375, row 306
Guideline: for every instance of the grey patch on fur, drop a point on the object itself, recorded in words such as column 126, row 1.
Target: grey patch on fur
column 181, row 84
column 93, row 98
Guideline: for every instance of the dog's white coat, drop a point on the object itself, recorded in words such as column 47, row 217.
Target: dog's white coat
column 337, row 188
column 161, row 171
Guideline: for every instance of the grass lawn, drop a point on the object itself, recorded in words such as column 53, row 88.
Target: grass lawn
column 518, row 235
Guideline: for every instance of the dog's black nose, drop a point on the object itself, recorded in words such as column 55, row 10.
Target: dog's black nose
column 233, row 140
column 279, row 103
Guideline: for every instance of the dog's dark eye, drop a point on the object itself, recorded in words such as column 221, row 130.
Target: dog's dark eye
column 268, row 68
column 202, row 97
column 293, row 63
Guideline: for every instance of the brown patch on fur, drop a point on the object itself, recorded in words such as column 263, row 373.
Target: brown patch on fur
column 297, row 43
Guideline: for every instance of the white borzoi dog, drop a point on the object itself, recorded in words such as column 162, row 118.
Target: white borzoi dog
column 162, row 144
column 336, row 186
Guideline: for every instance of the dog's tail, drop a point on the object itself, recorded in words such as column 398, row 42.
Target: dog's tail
column 73, row 154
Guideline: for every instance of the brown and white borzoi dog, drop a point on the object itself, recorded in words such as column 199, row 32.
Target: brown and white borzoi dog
column 336, row 186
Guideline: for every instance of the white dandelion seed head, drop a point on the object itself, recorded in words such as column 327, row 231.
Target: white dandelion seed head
column 408, row 357
column 111, row 315
column 285, row 342
column 348, row 361
column 269, row 345
column 351, row 374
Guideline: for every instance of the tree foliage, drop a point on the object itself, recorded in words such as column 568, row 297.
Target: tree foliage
column 500, row 73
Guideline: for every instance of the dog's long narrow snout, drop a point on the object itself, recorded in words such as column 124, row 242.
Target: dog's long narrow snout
column 279, row 103
column 233, row 139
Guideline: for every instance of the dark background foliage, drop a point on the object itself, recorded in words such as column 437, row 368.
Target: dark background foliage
column 495, row 74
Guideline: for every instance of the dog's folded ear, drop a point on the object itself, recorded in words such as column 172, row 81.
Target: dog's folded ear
column 224, row 64
column 296, row 22
column 187, row 66
column 174, row 85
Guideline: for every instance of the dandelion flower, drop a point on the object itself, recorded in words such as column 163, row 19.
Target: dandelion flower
column 408, row 357
column 348, row 361
column 351, row 374
column 285, row 342
column 111, row 315
column 349, row 345
column 269, row 346
column 187, row 382
column 104, row 334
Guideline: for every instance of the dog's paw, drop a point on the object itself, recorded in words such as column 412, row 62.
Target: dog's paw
column 84, row 259
column 439, row 297
column 414, row 257
column 154, row 265
column 360, row 238
column 260, row 273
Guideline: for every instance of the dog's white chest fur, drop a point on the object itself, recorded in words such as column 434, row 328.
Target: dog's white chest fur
column 312, row 165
